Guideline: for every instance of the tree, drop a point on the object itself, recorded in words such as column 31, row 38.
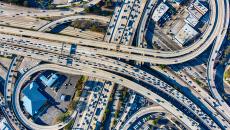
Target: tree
column 69, row 126
column 63, row 116
column 72, row 105
column 162, row 66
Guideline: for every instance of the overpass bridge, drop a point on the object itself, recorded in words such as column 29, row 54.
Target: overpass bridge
column 87, row 50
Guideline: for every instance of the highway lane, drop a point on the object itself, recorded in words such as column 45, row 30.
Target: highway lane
column 44, row 45
column 83, row 70
column 66, row 50
column 11, row 78
column 13, row 10
column 172, row 57
column 124, row 22
column 32, row 23
column 202, row 95
column 141, row 27
column 120, row 20
column 213, row 56
column 35, row 52
column 132, row 53
column 133, row 20
column 209, row 100
column 185, row 101
column 205, row 95
column 140, row 113
column 128, row 106
column 98, row 18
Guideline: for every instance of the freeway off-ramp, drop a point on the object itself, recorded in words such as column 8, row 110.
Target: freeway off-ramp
column 88, row 49
column 82, row 70
column 211, row 62
column 73, row 18
column 20, row 52
column 54, row 60
column 140, row 54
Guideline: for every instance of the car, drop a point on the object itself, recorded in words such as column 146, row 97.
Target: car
column 65, row 97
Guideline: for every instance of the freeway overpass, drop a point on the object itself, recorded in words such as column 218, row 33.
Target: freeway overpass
column 173, row 57
column 115, row 47
column 134, row 53
column 52, row 58
column 73, row 18
column 82, row 70
column 211, row 62
column 47, row 47
column 140, row 113
column 13, row 10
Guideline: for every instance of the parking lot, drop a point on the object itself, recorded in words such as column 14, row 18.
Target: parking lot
column 58, row 105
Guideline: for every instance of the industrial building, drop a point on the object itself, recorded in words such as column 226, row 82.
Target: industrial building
column 4, row 125
column 179, row 2
column 159, row 12
column 200, row 7
column 33, row 100
column 185, row 34
column 197, row 10
column 50, row 80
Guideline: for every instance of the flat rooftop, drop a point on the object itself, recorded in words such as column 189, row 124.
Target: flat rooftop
column 200, row 7
column 60, row 2
column 192, row 20
column 159, row 11
column 194, row 12
column 4, row 125
column 185, row 34
column 33, row 100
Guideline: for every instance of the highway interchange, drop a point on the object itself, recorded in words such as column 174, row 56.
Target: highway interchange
column 90, row 60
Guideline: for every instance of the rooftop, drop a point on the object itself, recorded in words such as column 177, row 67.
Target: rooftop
column 194, row 12
column 179, row 1
column 4, row 125
column 48, row 81
column 186, row 33
column 192, row 20
column 200, row 7
column 160, row 11
column 33, row 100
column 58, row 2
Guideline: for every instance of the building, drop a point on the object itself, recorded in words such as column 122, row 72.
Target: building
column 185, row 34
column 159, row 11
column 197, row 9
column 194, row 12
column 200, row 7
column 4, row 125
column 179, row 2
column 191, row 20
column 177, row 26
column 64, row 2
column 60, row 2
column 49, row 81
column 33, row 100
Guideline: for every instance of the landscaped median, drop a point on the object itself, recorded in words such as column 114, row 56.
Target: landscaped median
column 227, row 75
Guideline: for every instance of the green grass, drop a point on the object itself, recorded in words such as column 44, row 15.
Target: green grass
column 68, row 126
column 227, row 74
column 198, row 82
column 162, row 66
column 63, row 116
